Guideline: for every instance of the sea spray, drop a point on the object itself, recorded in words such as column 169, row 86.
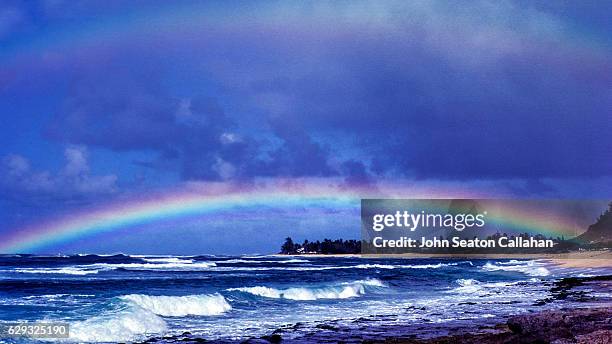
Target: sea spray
column 130, row 324
column 337, row 291
column 531, row 268
column 177, row 306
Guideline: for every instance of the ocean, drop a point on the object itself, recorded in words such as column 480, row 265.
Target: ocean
column 122, row 298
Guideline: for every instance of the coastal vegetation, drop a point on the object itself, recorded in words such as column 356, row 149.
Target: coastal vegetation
column 326, row 246
column 597, row 236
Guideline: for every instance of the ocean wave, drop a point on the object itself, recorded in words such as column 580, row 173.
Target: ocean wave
column 477, row 288
column 338, row 291
column 373, row 266
column 334, row 267
column 171, row 260
column 181, row 264
column 245, row 261
column 46, row 299
column 467, row 286
column 170, row 266
column 165, row 264
column 127, row 325
column 427, row 266
column 177, row 306
column 63, row 271
column 417, row 266
column 531, row 268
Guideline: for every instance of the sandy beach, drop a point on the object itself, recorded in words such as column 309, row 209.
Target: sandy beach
column 584, row 259
column 576, row 259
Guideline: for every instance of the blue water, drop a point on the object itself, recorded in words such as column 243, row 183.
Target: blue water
column 132, row 298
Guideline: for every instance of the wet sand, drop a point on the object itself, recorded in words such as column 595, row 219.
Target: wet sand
column 584, row 259
column 577, row 259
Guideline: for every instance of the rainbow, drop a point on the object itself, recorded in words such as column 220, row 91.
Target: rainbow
column 178, row 204
column 526, row 217
column 162, row 208
column 189, row 202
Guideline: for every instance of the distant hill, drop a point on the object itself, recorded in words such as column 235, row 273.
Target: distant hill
column 600, row 231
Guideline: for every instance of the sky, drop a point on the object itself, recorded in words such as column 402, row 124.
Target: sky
column 108, row 102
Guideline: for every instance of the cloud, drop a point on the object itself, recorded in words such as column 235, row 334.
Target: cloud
column 124, row 113
column 298, row 155
column 426, row 90
column 73, row 182
column 357, row 176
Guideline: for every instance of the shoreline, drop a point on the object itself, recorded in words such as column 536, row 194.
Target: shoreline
column 578, row 319
column 570, row 324
column 564, row 326
column 577, row 259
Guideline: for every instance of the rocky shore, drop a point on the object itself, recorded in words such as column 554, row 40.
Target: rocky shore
column 564, row 326
column 587, row 319
column 592, row 324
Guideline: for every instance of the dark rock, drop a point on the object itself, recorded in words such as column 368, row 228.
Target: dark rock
column 562, row 324
column 274, row 339
column 596, row 337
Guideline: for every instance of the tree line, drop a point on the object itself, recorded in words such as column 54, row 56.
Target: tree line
column 327, row 246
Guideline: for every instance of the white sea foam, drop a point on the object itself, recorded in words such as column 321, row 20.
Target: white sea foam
column 56, row 296
column 373, row 282
column 63, row 271
column 245, row 261
column 374, row 266
column 437, row 266
column 131, row 324
column 166, row 264
column 427, row 266
column 45, row 300
column 467, row 286
column 531, row 268
column 339, row 291
column 477, row 288
column 177, row 306
column 333, row 267
column 170, row 266
column 168, row 260
column 417, row 266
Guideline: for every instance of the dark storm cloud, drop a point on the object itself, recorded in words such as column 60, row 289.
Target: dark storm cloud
column 298, row 155
column 126, row 111
column 427, row 90
column 399, row 98
column 74, row 182
column 526, row 115
column 118, row 111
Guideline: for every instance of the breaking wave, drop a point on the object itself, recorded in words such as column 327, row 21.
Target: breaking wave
column 63, row 271
column 531, row 268
column 177, row 306
column 141, row 317
column 418, row 266
column 476, row 288
column 127, row 325
column 339, row 291
column 170, row 260
column 245, row 261
column 168, row 266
